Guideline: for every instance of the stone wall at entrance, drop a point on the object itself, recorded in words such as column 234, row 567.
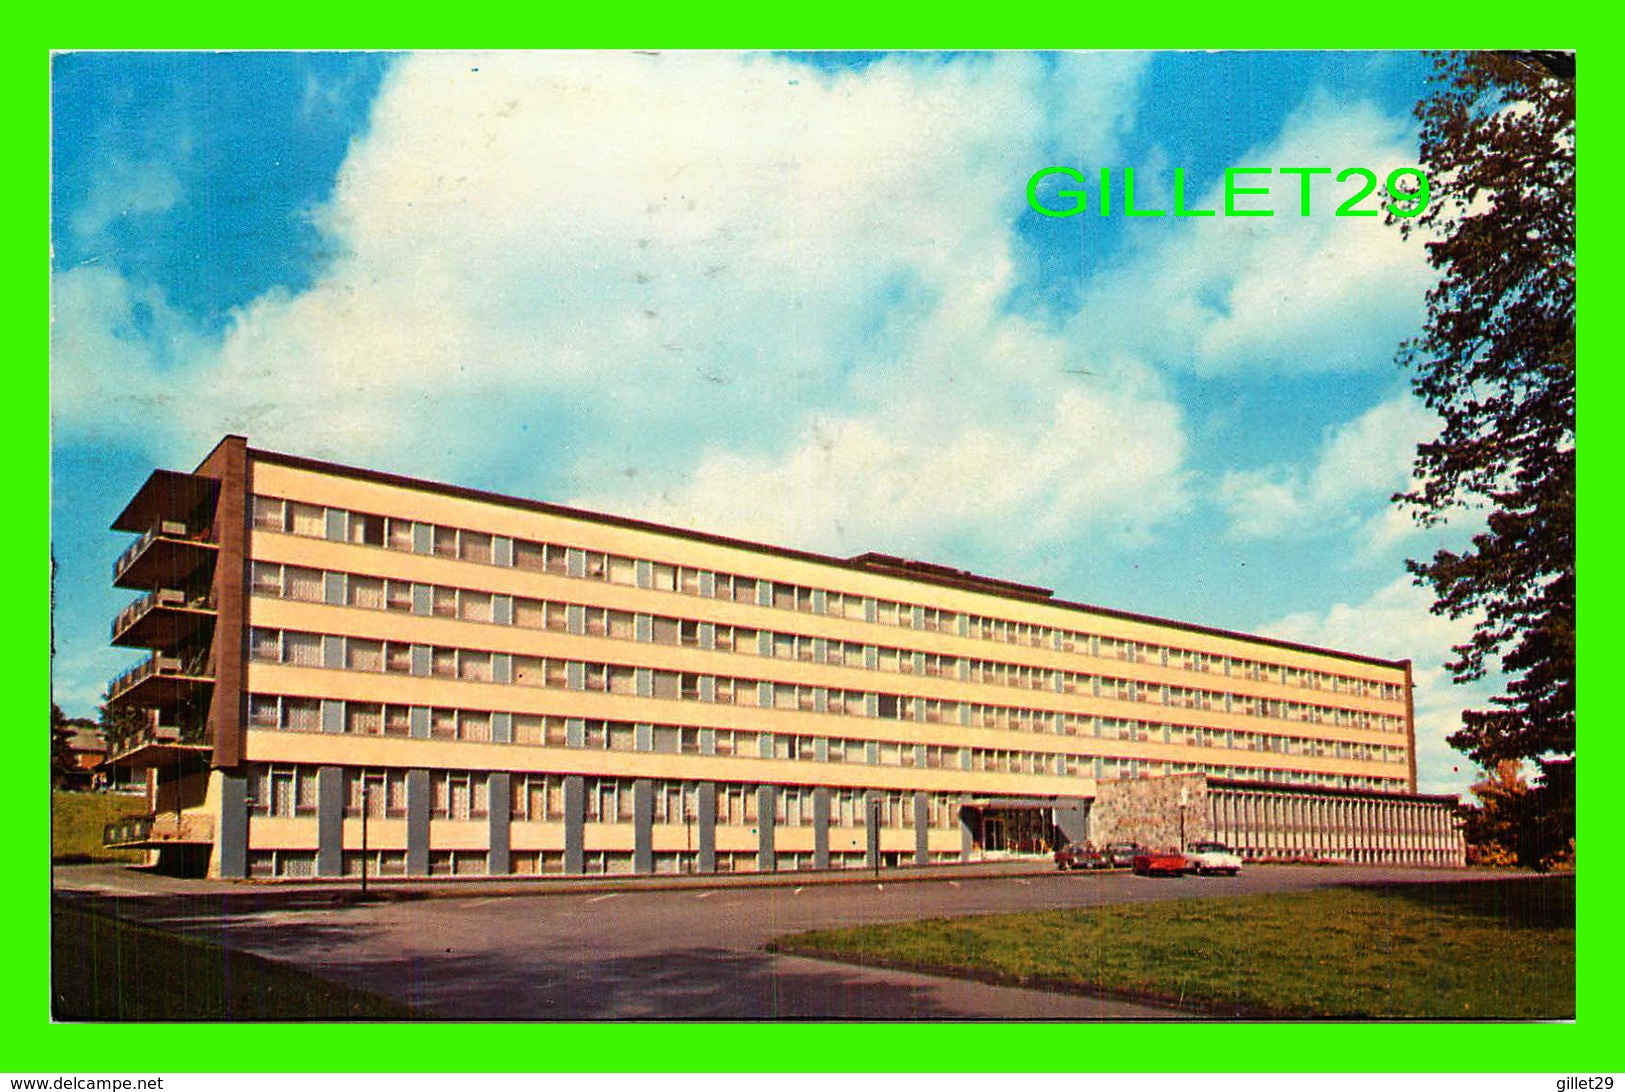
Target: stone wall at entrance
column 1149, row 811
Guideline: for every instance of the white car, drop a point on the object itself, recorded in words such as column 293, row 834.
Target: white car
column 1204, row 858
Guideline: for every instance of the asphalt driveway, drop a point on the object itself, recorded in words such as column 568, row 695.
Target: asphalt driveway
column 680, row 953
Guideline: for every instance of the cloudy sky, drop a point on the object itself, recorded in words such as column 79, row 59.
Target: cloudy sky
column 796, row 298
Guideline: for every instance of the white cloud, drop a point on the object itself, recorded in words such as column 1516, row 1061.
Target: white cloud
column 859, row 483
column 1395, row 623
column 688, row 273
column 1285, row 293
column 123, row 188
column 1347, row 489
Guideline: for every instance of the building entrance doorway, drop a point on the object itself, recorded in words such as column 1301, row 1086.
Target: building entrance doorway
column 993, row 833
column 1016, row 830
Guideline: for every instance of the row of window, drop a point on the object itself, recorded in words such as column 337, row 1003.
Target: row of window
column 292, row 517
column 288, row 790
column 304, row 649
column 377, row 593
column 291, row 713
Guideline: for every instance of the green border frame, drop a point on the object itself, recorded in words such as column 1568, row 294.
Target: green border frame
column 1588, row 1045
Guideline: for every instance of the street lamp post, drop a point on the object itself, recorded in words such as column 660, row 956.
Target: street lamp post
column 874, row 833
column 688, row 826
column 1184, row 802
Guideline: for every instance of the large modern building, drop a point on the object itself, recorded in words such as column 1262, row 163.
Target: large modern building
column 449, row 682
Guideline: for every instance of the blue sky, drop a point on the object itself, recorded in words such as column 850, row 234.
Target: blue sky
column 794, row 298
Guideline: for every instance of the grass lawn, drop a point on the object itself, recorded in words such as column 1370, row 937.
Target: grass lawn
column 76, row 825
column 106, row 969
column 1473, row 950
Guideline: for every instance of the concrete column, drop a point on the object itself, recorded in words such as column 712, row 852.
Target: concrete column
column 499, row 797
column 821, row 827
column 967, row 836
column 922, row 828
column 643, row 820
column 767, row 856
column 706, row 837
column 575, row 824
column 329, row 821
column 232, row 847
column 417, row 822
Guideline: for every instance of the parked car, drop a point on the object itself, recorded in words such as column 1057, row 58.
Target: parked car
column 1162, row 862
column 1213, row 857
column 1080, row 855
column 1122, row 854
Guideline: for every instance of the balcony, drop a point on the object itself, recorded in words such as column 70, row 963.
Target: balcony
column 160, row 745
column 164, row 556
column 162, row 619
column 156, row 831
column 167, row 495
column 161, row 681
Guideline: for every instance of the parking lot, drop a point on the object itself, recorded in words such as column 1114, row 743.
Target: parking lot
column 612, row 952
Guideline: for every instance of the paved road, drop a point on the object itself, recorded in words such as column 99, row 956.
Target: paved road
column 660, row 954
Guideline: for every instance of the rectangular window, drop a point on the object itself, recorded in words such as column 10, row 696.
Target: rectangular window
column 302, row 649
column 527, row 729
column 530, row 556
column 397, row 720
column 529, row 613
column 475, row 727
column 301, row 714
column 398, row 534
column 474, row 666
column 474, row 546
column 266, row 645
column 263, row 711
column 474, row 606
column 364, row 655
column 363, row 718
column 307, row 519
column 304, row 585
column 268, row 514
column 445, row 542
column 366, row 530
column 527, row 671
column 366, row 592
column 398, row 658
column 267, row 579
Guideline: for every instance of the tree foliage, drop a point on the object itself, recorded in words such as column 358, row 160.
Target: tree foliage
column 119, row 723
column 61, row 755
column 1496, row 360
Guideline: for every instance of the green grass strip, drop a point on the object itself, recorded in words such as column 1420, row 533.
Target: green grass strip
column 106, row 969
column 77, row 819
column 1472, row 950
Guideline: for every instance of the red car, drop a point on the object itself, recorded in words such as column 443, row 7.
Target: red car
column 1166, row 862
column 1079, row 855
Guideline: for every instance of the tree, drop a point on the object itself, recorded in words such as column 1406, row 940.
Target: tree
column 61, row 755
column 1496, row 360
column 119, row 723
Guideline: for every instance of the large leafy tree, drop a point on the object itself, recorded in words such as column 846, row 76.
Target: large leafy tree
column 1496, row 360
column 61, row 755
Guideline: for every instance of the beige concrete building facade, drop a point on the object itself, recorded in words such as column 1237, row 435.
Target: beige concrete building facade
column 353, row 668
